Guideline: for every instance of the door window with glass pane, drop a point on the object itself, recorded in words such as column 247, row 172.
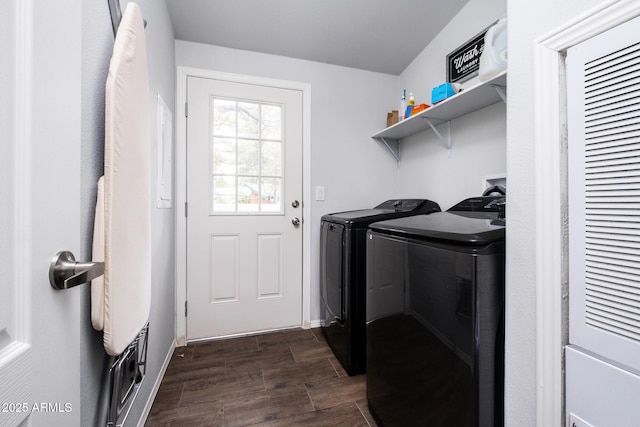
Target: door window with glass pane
column 246, row 167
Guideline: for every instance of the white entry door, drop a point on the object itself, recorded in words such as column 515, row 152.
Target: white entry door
column 244, row 195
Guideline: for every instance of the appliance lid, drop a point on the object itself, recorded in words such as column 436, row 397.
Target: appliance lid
column 387, row 210
column 468, row 228
column 409, row 205
column 363, row 217
column 480, row 204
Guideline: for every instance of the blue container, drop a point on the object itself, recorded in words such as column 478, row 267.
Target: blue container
column 442, row 92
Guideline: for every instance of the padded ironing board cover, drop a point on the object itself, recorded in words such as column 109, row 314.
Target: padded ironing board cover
column 127, row 248
column 97, row 252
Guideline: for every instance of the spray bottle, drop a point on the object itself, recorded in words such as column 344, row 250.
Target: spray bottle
column 403, row 105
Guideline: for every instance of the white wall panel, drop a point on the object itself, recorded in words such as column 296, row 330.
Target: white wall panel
column 223, row 282
column 270, row 265
column 599, row 393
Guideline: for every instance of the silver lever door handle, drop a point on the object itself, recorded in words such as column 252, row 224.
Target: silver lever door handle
column 65, row 272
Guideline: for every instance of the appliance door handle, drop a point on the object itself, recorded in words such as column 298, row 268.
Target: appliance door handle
column 65, row 272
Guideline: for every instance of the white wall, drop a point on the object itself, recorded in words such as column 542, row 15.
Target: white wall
column 161, row 58
column 347, row 106
column 427, row 169
column 527, row 21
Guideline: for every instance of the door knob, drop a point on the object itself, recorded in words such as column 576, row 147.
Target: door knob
column 65, row 272
column 295, row 203
column 295, row 221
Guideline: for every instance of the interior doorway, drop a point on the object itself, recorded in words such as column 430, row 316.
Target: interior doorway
column 184, row 74
column 244, row 186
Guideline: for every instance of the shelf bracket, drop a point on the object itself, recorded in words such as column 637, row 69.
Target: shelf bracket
column 447, row 140
column 502, row 91
column 393, row 146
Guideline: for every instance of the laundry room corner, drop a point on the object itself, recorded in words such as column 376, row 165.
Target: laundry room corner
column 478, row 140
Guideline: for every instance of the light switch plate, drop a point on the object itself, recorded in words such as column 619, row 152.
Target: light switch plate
column 320, row 193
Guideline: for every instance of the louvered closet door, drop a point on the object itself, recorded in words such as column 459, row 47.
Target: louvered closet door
column 603, row 96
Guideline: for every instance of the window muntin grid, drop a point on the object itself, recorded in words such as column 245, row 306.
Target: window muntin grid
column 247, row 167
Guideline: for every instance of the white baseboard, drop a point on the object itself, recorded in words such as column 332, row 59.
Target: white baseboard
column 316, row 323
column 156, row 386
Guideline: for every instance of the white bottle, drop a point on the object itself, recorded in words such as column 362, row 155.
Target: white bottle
column 493, row 59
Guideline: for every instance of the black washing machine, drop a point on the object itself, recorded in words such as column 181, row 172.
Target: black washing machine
column 343, row 274
column 435, row 325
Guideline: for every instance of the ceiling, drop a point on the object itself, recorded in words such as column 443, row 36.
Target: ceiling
column 376, row 35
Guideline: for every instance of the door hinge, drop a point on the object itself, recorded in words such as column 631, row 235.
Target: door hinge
column 185, row 309
column 186, row 109
column 186, row 209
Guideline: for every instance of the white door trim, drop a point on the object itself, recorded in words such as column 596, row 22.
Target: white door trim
column 181, row 169
column 550, row 195
column 16, row 359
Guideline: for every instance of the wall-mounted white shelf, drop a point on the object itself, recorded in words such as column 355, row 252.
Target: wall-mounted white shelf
column 469, row 100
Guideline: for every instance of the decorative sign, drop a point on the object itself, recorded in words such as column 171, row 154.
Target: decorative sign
column 463, row 63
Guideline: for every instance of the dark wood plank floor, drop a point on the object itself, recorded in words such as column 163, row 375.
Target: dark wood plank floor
column 278, row 379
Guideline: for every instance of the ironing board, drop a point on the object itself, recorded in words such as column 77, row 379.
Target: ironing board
column 121, row 301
